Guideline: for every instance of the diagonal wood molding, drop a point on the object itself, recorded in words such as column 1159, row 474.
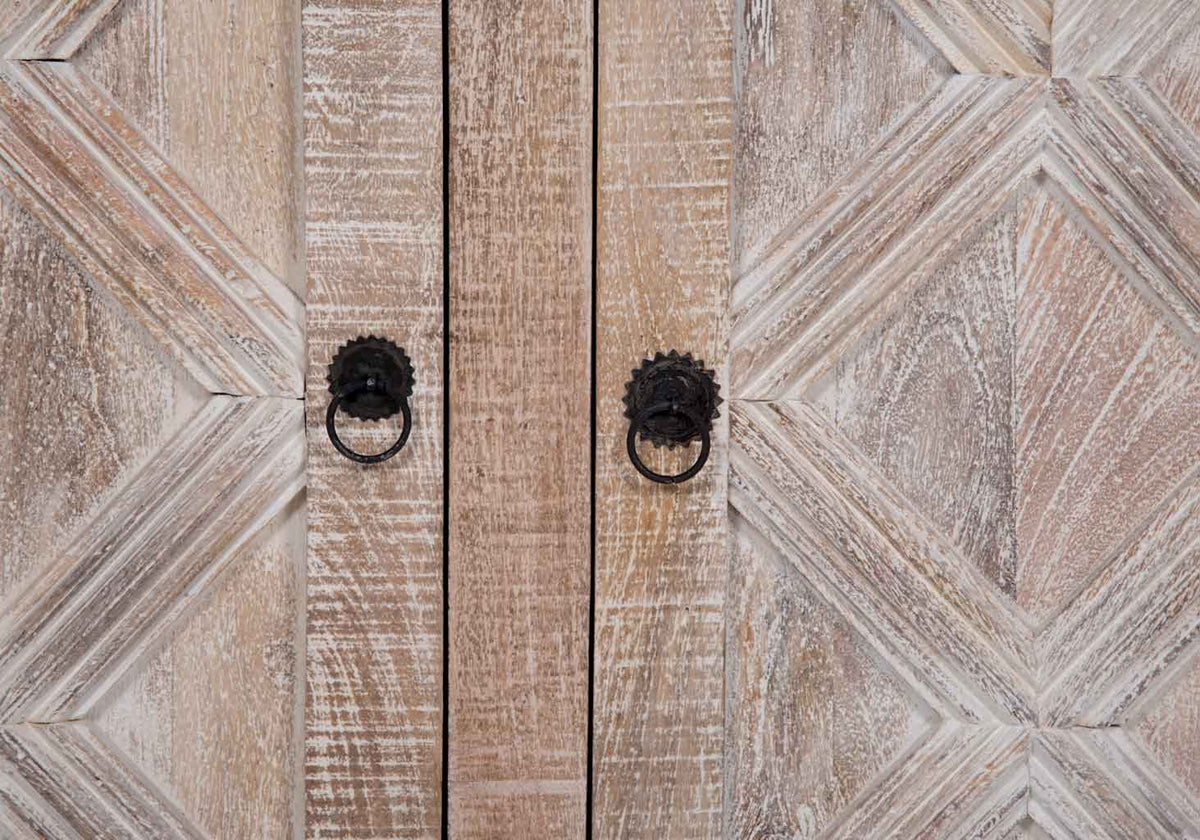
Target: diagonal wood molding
column 67, row 776
column 147, row 555
column 954, row 774
column 73, row 160
column 814, row 294
column 1095, row 38
column 962, row 776
column 960, row 157
column 1075, row 691
column 144, row 562
column 775, row 489
column 55, row 29
column 963, row 645
column 980, row 37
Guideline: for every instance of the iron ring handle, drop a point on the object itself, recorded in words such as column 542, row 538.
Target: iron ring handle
column 653, row 411
column 331, row 424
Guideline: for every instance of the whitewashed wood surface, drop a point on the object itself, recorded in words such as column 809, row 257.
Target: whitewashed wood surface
column 952, row 589
column 665, row 155
column 373, row 230
column 965, row 587
column 520, row 282
column 151, row 508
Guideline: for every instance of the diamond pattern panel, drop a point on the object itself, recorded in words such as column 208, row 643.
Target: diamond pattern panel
column 1033, row 394
column 800, row 71
column 133, row 319
column 817, row 748
column 926, row 394
column 86, row 400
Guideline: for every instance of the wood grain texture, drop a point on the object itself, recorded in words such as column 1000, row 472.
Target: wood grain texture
column 803, row 686
column 140, row 569
column 136, row 569
column 157, row 370
column 1171, row 728
column 1093, row 38
column 14, row 19
column 52, row 29
column 235, row 139
column 927, row 396
column 981, row 345
column 1109, row 400
column 24, row 813
column 1145, row 211
column 820, row 87
column 665, row 166
column 221, row 692
column 992, row 37
column 67, row 768
column 520, row 283
column 115, row 400
column 128, row 221
column 201, row 741
column 373, row 169
column 1175, row 73
column 798, row 483
column 953, row 166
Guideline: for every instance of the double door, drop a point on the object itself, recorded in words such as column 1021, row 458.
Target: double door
column 937, row 577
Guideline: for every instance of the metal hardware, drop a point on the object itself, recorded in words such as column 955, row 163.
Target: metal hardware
column 370, row 379
column 671, row 401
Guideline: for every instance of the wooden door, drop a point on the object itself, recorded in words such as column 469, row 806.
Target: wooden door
column 177, row 179
column 152, row 518
column 962, row 592
column 939, row 578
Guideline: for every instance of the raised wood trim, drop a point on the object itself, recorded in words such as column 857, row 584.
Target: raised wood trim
column 984, row 37
column 153, row 547
column 1097, row 38
column 56, row 29
column 824, row 284
column 146, row 556
column 787, row 474
column 87, row 784
column 1079, row 681
column 69, row 156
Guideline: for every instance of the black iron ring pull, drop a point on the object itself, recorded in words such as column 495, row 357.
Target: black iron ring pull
column 671, row 401
column 657, row 411
column 370, row 379
column 353, row 390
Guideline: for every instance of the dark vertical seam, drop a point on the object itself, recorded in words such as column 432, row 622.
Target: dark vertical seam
column 445, row 419
column 591, row 684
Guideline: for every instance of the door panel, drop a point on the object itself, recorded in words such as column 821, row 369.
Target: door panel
column 373, row 233
column 665, row 142
column 966, row 428
column 236, row 137
column 940, row 578
column 150, row 627
column 520, row 307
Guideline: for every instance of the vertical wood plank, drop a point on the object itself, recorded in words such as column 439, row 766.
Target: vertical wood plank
column 520, row 302
column 373, row 167
column 665, row 147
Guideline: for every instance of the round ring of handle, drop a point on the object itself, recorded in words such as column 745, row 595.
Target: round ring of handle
column 654, row 411
column 331, row 424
